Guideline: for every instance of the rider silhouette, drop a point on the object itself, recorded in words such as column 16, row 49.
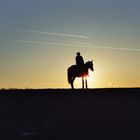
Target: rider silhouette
column 79, row 61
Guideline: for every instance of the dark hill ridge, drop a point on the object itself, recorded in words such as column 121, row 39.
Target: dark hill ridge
column 71, row 91
column 50, row 114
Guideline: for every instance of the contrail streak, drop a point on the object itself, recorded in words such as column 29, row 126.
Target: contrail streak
column 70, row 44
column 44, row 43
column 115, row 48
column 49, row 33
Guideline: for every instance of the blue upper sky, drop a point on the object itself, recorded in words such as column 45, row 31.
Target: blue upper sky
column 99, row 19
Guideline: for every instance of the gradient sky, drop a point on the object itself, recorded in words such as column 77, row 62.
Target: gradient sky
column 39, row 40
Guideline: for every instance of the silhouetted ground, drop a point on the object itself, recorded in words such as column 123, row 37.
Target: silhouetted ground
column 94, row 114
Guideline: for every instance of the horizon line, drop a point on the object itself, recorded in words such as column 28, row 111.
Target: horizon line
column 26, row 88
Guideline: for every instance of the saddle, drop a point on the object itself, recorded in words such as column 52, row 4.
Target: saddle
column 80, row 70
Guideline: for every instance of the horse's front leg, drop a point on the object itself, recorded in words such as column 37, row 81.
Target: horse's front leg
column 83, row 82
column 86, row 84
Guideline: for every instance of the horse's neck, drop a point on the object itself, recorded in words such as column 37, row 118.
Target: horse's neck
column 85, row 66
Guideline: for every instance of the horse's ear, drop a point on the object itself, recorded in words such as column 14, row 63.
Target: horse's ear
column 92, row 61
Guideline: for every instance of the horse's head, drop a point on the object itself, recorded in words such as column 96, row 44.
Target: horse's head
column 90, row 65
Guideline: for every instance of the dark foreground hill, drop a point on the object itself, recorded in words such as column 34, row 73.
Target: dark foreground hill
column 53, row 114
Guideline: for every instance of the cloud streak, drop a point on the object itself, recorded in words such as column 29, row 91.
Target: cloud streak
column 115, row 48
column 46, row 43
column 59, row 44
column 49, row 33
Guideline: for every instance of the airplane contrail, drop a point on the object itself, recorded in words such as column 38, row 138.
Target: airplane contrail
column 49, row 33
column 45, row 43
column 88, row 45
column 115, row 48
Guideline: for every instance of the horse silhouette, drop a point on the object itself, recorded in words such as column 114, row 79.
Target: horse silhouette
column 79, row 71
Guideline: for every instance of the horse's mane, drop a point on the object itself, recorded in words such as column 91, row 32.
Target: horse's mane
column 88, row 62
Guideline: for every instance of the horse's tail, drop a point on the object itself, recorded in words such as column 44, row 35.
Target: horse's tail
column 69, row 76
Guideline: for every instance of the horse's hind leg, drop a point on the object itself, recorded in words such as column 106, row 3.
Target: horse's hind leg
column 72, row 81
column 72, row 85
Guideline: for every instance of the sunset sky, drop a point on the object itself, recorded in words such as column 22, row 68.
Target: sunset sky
column 39, row 40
